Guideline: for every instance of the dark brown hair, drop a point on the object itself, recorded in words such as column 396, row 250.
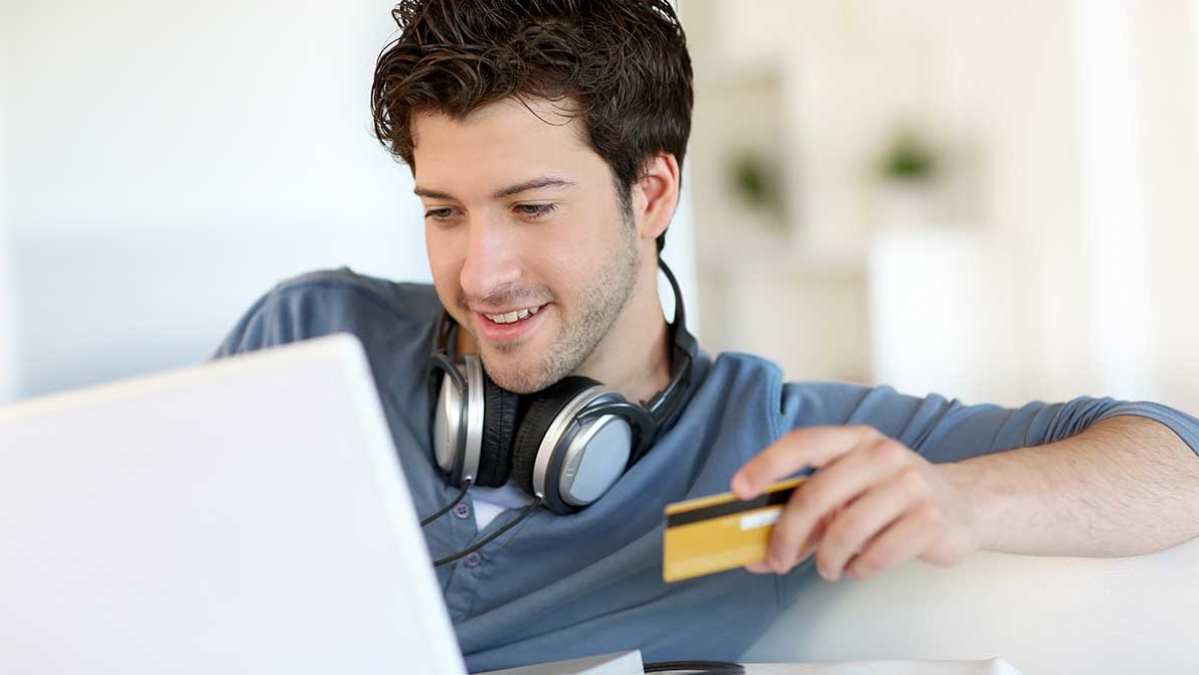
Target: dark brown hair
column 621, row 66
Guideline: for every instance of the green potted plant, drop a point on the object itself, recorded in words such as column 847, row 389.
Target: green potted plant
column 906, row 173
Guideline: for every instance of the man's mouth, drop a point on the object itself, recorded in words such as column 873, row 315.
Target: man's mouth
column 513, row 316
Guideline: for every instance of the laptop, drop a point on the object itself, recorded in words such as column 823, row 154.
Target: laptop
column 244, row 516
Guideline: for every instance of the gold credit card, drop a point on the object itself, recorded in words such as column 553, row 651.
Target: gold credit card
column 721, row 532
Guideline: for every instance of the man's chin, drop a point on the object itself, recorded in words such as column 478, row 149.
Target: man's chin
column 517, row 375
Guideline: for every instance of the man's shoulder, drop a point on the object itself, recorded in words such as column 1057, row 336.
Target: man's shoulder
column 335, row 300
column 736, row 380
column 747, row 377
column 738, row 369
column 748, row 384
column 746, row 370
column 343, row 287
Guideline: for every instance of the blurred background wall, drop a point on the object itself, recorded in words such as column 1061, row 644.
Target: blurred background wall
column 7, row 356
column 8, row 373
column 996, row 201
column 167, row 162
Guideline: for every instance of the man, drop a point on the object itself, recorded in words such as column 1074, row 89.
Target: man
column 546, row 140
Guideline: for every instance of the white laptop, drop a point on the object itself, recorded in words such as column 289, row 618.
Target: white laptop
column 245, row 516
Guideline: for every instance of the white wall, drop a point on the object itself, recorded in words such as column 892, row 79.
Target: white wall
column 1005, row 119
column 1070, row 128
column 1140, row 169
column 1112, row 125
column 1169, row 33
column 8, row 374
column 168, row 162
column 931, row 332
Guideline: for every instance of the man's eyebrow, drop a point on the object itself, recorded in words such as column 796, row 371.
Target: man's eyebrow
column 433, row 194
column 534, row 184
column 517, row 188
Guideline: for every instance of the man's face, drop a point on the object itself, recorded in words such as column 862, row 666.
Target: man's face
column 530, row 249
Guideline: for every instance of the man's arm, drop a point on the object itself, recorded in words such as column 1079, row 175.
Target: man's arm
column 1125, row 486
column 1100, row 481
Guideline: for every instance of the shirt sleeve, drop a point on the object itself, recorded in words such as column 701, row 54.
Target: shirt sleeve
column 944, row 430
column 311, row 305
column 256, row 329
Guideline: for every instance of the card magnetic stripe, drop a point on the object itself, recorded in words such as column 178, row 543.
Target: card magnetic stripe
column 776, row 498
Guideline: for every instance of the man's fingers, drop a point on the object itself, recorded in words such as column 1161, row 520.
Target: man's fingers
column 836, row 485
column 760, row 567
column 800, row 449
column 901, row 541
column 866, row 518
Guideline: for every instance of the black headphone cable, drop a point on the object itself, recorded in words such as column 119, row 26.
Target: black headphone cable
column 491, row 537
column 467, row 483
column 696, row 667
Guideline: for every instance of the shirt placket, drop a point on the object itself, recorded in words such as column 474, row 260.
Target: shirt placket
column 463, row 576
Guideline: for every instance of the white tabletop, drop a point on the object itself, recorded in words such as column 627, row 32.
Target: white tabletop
column 622, row 663
column 988, row 667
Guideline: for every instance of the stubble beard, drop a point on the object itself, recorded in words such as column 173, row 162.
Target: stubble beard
column 601, row 305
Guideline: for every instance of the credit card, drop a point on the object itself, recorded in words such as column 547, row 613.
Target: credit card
column 720, row 532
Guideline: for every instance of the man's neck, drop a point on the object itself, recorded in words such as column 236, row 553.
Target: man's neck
column 634, row 357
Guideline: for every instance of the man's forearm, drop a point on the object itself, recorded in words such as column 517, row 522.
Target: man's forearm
column 1125, row 486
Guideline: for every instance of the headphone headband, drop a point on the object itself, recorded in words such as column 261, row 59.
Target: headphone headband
column 665, row 404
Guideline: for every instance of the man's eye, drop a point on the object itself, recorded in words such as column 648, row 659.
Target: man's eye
column 535, row 210
column 439, row 214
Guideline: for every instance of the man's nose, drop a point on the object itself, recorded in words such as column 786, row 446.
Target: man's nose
column 492, row 263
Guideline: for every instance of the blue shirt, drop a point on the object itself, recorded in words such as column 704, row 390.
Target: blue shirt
column 558, row 587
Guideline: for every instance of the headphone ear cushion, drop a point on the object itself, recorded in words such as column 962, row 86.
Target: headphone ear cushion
column 537, row 421
column 499, row 428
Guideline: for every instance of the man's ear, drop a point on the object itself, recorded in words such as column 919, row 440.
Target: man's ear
column 656, row 194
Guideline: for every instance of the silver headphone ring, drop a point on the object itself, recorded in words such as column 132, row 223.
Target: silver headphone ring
column 557, row 432
column 473, row 444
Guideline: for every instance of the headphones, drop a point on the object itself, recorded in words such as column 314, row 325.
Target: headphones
column 565, row 445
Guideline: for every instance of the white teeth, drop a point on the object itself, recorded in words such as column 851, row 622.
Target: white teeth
column 513, row 317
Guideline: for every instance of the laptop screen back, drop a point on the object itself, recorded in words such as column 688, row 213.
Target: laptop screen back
column 246, row 516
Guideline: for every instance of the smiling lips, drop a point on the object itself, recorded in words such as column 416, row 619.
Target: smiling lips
column 514, row 316
column 510, row 327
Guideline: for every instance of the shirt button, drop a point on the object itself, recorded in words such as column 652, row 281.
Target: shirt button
column 462, row 511
column 473, row 560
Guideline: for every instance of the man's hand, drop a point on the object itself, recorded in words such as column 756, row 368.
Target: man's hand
column 872, row 505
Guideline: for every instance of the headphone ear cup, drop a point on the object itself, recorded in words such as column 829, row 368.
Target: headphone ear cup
column 537, row 421
column 499, row 428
